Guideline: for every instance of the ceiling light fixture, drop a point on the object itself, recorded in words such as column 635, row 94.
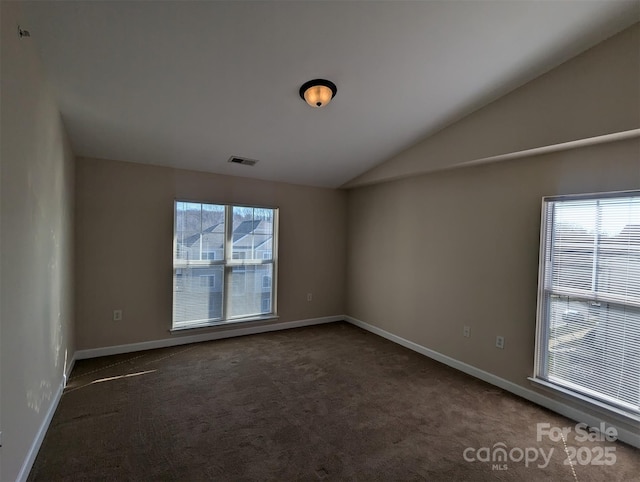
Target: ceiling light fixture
column 318, row 92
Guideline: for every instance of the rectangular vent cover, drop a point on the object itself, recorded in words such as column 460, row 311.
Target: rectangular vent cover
column 242, row 160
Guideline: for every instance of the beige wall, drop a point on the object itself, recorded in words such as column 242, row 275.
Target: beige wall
column 124, row 241
column 593, row 94
column 36, row 302
column 413, row 267
column 433, row 253
column 432, row 248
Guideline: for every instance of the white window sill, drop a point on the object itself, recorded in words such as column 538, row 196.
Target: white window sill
column 230, row 322
column 593, row 404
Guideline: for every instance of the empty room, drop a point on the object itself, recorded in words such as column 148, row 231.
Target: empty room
column 320, row 240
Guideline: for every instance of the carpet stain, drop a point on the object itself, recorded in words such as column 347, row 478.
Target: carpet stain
column 322, row 473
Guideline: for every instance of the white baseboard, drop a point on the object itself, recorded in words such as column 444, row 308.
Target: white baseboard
column 573, row 413
column 44, row 426
column 68, row 370
column 37, row 441
column 114, row 350
column 212, row 335
column 624, row 435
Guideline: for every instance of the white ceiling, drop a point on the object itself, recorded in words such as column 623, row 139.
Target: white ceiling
column 188, row 84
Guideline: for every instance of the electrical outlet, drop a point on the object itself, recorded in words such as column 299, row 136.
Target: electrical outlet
column 117, row 315
column 500, row 342
column 309, row 296
column 466, row 331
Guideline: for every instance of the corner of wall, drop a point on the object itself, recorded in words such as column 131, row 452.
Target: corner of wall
column 36, row 275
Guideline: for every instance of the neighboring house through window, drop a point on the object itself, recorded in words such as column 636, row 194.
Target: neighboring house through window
column 219, row 265
column 588, row 334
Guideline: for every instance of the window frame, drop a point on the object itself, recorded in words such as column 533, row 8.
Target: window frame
column 594, row 399
column 228, row 263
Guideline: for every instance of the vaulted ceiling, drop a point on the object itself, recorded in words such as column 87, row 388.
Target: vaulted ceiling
column 189, row 84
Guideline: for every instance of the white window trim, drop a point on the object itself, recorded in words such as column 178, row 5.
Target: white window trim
column 593, row 403
column 228, row 263
column 599, row 405
column 232, row 321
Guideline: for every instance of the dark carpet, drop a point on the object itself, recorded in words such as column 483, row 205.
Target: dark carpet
column 327, row 402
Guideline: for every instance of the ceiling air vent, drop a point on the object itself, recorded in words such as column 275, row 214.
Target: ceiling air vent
column 242, row 160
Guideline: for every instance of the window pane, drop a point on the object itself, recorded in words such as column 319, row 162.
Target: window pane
column 618, row 269
column 249, row 287
column 187, row 231
column 198, row 294
column 252, row 232
column 596, row 347
column 590, row 303
column 572, row 245
column 213, row 234
column 199, row 231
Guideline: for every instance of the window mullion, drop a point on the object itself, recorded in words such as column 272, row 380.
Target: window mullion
column 596, row 248
column 274, row 259
column 228, row 250
column 201, row 209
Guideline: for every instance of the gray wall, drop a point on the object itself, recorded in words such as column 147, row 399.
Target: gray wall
column 36, row 302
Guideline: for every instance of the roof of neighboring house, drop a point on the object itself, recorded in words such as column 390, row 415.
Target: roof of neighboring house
column 244, row 228
column 630, row 232
column 260, row 231
column 255, row 241
column 191, row 240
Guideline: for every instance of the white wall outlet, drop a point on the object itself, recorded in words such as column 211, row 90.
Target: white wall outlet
column 309, row 296
column 117, row 315
column 500, row 342
column 466, row 331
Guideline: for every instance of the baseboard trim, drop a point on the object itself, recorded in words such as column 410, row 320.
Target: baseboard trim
column 44, row 426
column 148, row 345
column 42, row 431
column 573, row 413
column 67, row 372
column 209, row 336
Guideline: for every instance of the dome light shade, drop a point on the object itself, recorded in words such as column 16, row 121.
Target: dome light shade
column 318, row 92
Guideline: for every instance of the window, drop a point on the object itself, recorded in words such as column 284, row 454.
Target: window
column 266, row 282
column 208, row 281
column 588, row 333
column 239, row 255
column 218, row 263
